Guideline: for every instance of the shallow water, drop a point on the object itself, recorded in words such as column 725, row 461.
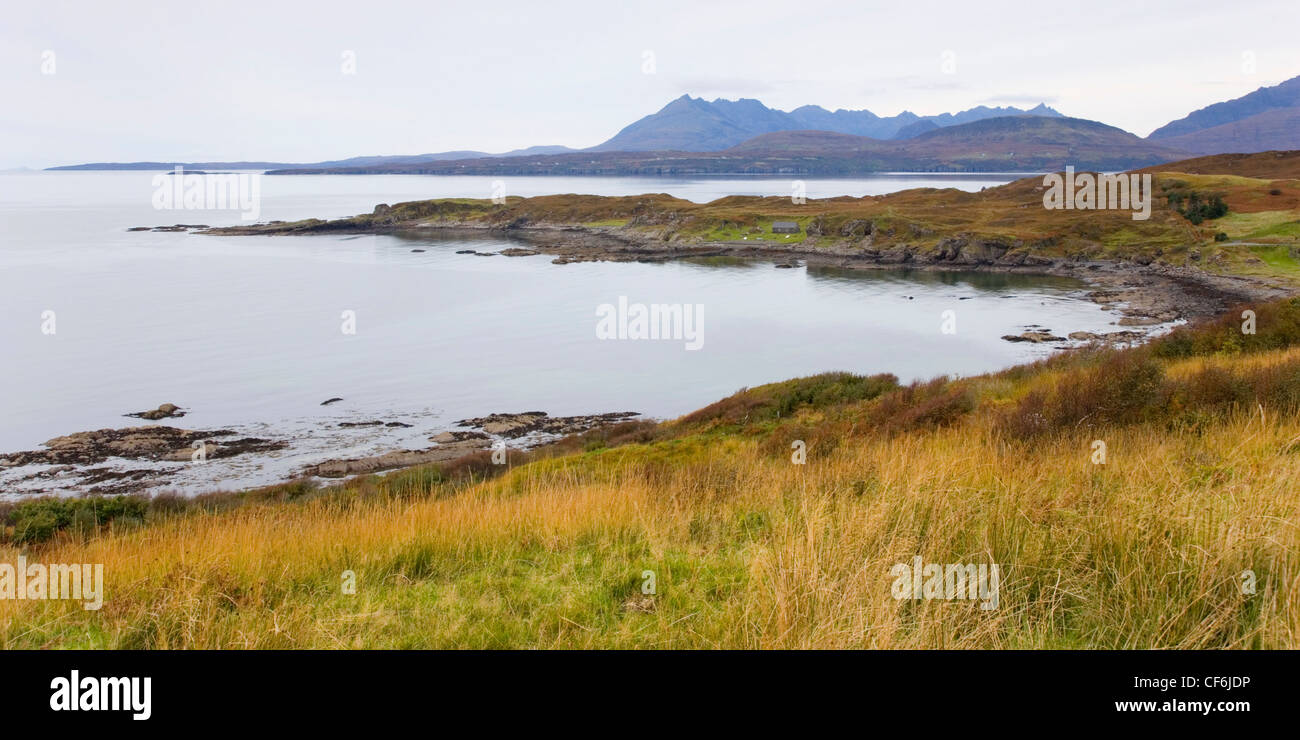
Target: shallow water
column 245, row 332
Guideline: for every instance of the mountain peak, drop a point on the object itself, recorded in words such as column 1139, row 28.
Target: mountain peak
column 697, row 125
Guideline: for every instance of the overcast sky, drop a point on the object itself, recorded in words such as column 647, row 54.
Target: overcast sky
column 267, row 80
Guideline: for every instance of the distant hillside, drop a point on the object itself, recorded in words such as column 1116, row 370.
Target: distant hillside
column 697, row 125
column 150, row 166
column 1270, row 130
column 1262, row 165
column 1007, row 144
column 915, row 129
column 1263, row 133
column 365, row 161
column 1010, row 143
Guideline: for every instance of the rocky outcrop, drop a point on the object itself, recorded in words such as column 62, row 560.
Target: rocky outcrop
column 856, row 229
column 395, row 459
column 443, row 438
column 138, row 443
column 1034, row 336
column 165, row 411
column 1108, row 337
column 512, row 426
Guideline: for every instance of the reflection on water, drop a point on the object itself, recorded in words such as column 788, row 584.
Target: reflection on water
column 978, row 279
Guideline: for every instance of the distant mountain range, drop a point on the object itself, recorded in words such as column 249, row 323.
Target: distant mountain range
column 1266, row 119
column 695, row 135
column 696, row 125
column 1005, row 144
column 373, row 161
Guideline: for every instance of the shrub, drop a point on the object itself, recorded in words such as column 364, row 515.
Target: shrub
column 39, row 520
column 782, row 400
column 922, row 405
column 1277, row 325
column 829, row 389
column 1122, row 387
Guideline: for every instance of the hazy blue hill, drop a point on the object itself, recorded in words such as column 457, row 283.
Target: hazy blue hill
column 1284, row 95
column 1023, row 143
column 696, row 125
column 915, row 129
column 363, row 161
column 1277, row 129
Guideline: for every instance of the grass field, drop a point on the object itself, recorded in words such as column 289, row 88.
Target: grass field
column 1186, row 536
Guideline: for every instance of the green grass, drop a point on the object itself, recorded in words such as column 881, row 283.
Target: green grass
column 1281, row 259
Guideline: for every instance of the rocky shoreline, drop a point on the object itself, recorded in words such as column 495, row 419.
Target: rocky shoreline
column 1145, row 291
column 1144, row 294
column 151, row 457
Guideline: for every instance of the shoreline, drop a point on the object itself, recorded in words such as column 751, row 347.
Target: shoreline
column 1145, row 294
column 1152, row 293
column 159, row 458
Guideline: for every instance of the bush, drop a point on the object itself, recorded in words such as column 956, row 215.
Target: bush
column 829, row 389
column 1220, row 237
column 39, row 520
column 1277, row 325
column 922, row 405
column 1193, row 208
column 782, row 400
column 1123, row 387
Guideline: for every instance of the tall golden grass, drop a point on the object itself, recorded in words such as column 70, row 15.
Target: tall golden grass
column 747, row 549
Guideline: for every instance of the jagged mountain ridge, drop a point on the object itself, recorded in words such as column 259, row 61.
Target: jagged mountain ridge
column 697, row 125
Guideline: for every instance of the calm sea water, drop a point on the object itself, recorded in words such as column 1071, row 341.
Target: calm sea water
column 245, row 332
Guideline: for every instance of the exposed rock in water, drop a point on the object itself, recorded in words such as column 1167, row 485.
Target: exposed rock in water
column 395, row 459
column 1033, row 336
column 329, row 401
column 443, row 438
column 165, row 411
column 1113, row 336
column 518, row 252
column 138, row 443
column 512, row 426
column 1140, row 321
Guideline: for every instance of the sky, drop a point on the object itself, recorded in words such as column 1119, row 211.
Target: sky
column 309, row 81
